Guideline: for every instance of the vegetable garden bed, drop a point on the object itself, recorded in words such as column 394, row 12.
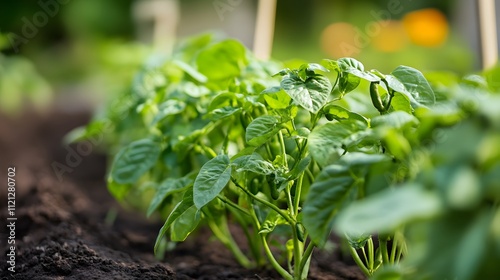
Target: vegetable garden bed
column 251, row 165
column 62, row 231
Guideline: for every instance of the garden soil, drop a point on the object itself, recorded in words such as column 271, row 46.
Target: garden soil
column 61, row 230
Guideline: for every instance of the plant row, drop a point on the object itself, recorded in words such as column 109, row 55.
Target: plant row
column 404, row 167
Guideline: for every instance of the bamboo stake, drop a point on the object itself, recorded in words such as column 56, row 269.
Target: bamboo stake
column 264, row 29
column 488, row 28
column 165, row 16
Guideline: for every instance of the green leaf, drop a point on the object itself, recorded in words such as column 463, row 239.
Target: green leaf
column 315, row 67
column 348, row 82
column 326, row 141
column 363, row 75
column 475, row 81
column 261, row 129
column 397, row 120
column 389, row 272
column 276, row 98
column 331, row 65
column 340, row 113
column 222, row 60
column 224, row 99
column 185, row 205
column 253, row 163
column 332, row 189
column 347, row 63
column 93, row 130
column 300, row 167
column 168, row 108
column 211, row 180
column 462, row 189
column 493, row 77
column 134, row 160
column 118, row 191
column 308, row 70
column 191, row 71
column 166, row 188
column 273, row 219
column 472, row 247
column 185, row 224
column 400, row 102
column 224, row 112
column 188, row 47
column 324, row 199
column 357, row 241
column 360, row 139
column 357, row 160
column 193, row 90
column 387, row 210
column 396, row 143
column 412, row 83
column 457, row 244
column 311, row 94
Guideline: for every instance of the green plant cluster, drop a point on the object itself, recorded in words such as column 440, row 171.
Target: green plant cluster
column 20, row 83
column 408, row 173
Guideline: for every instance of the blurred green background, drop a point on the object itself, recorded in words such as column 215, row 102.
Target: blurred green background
column 92, row 48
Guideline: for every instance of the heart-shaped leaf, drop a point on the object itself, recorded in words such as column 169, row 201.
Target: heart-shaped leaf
column 311, row 94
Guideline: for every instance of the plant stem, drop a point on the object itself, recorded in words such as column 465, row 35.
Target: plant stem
column 267, row 203
column 306, row 256
column 364, row 255
column 371, row 255
column 283, row 148
column 358, row 261
column 226, row 140
column 309, row 175
column 224, row 235
column 394, row 247
column 383, row 249
column 298, row 192
column 273, row 261
column 314, row 119
column 296, row 252
column 232, row 204
column 252, row 238
column 289, row 200
column 209, row 152
column 269, row 152
column 403, row 250
column 256, row 225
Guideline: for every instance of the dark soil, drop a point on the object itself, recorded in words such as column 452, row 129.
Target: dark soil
column 61, row 231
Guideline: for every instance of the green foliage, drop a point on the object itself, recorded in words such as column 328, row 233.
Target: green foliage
column 21, row 84
column 290, row 157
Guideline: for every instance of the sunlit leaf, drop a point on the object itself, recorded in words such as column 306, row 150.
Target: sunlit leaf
column 311, row 94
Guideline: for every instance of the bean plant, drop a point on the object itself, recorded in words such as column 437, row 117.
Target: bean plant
column 212, row 136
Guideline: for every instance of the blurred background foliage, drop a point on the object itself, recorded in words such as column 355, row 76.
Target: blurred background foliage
column 93, row 47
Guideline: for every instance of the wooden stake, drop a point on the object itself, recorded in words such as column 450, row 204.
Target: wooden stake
column 264, row 29
column 488, row 27
column 165, row 16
